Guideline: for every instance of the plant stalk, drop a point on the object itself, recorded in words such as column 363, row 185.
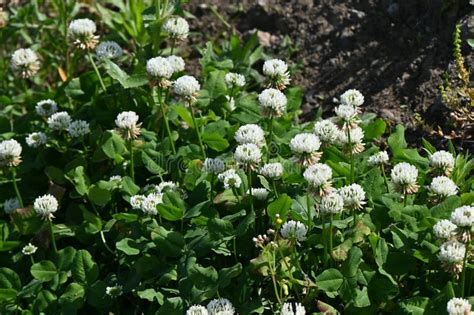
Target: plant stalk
column 132, row 163
column 198, row 133
column 53, row 240
column 91, row 59
column 15, row 186
column 165, row 119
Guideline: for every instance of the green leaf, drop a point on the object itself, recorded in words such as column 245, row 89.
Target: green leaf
column 172, row 208
column 351, row 265
column 215, row 141
column 65, row 258
column 128, row 246
column 7, row 294
column 44, row 270
column 397, row 141
column 294, row 96
column 150, row 164
column 470, row 41
column 99, row 196
column 279, row 206
column 9, row 245
column 414, row 306
column 79, row 179
column 375, row 129
column 84, row 270
column 329, row 280
column 184, row 114
column 113, row 146
column 227, row 274
column 9, row 279
column 203, row 278
column 73, row 297
column 43, row 301
column 215, row 84
column 169, row 242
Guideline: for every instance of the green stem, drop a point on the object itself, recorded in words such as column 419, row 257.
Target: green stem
column 325, row 241
column 270, row 137
column 274, row 188
column 236, row 194
column 272, row 272
column 53, row 240
column 330, row 236
column 385, row 178
column 91, row 59
column 132, row 163
column 165, row 119
column 308, row 206
column 198, row 133
column 32, row 260
column 405, row 195
column 351, row 177
column 173, row 43
column 354, row 216
column 463, row 274
column 212, row 189
column 15, row 186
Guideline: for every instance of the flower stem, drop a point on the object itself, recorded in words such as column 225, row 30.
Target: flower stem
column 198, row 133
column 405, row 198
column 308, row 206
column 351, row 176
column 354, row 216
column 385, row 177
column 15, row 186
column 165, row 119
column 330, row 236
column 53, row 240
column 132, row 163
column 212, row 189
column 270, row 137
column 96, row 71
column 463, row 274
column 274, row 188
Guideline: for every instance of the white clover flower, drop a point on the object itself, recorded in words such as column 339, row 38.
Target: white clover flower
column 136, row 201
column 250, row 133
column 213, row 166
column 59, row 121
column 81, row 32
column 46, row 108
column 319, row 177
column 11, row 205
column 346, row 113
column 127, row 124
column 259, row 193
column 25, row 62
column 176, row 62
column 277, row 71
column 288, row 309
column 159, row 67
column 148, row 206
column 294, row 230
column 197, row 310
column 220, row 306
column 353, row 196
column 114, row 291
column 234, row 80
column 331, row 204
column 248, row 155
column 10, row 153
column 230, row 178
column 459, row 306
column 78, row 128
column 115, row 178
column 356, row 136
column 404, row 177
column 444, row 229
column 305, row 147
column 327, row 131
column 45, row 206
column 463, row 216
column 36, row 139
column 443, row 162
column 187, row 86
column 176, row 27
column 452, row 252
column 272, row 102
column 163, row 186
column 352, row 97
column 271, row 170
column 109, row 50
column 378, row 158
column 29, row 249
column 443, row 187
column 231, row 103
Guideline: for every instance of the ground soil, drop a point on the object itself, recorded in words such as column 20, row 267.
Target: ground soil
column 393, row 51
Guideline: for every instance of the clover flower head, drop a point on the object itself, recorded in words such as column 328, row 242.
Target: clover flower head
column 346, row 113
column 248, row 155
column 352, row 138
column 82, row 33
column 176, row 27
column 197, row 310
column 10, row 153
column 78, row 128
column 327, row 131
column 444, row 229
column 443, row 186
column 272, row 102
column 169, row 185
column 378, row 158
column 305, row 147
column 288, row 309
column 404, row 177
column 352, row 97
column 234, row 80
column 187, row 86
column 46, row 108
column 108, row 50
column 259, row 193
column 45, row 206
column 127, row 124
column 250, row 133
column 59, row 121
column 331, row 204
column 294, row 230
column 115, row 178
column 277, row 71
column 36, row 139
column 176, row 62
column 25, row 63
column 221, row 306
column 458, row 306
column 29, row 249
column 442, row 162
column 271, row 170
column 213, row 166
column 136, row 201
column 11, row 205
column 148, row 205
column 319, row 177
column 230, row 179
column 159, row 67
column 463, row 216
column 114, row 291
column 451, row 254
column 353, row 196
